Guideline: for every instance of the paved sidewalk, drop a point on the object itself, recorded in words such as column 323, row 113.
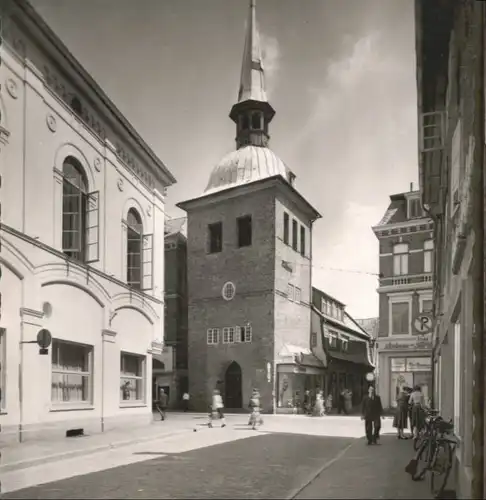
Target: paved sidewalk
column 368, row 472
column 23, row 455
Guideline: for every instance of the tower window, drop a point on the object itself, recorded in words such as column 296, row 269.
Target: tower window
column 244, row 231
column 294, row 234
column 215, row 232
column 245, row 122
column 286, row 228
column 256, row 121
column 302, row 240
column 76, row 105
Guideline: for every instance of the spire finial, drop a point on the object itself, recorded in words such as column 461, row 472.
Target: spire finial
column 252, row 112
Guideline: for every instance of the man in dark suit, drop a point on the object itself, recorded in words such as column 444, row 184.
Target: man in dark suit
column 371, row 413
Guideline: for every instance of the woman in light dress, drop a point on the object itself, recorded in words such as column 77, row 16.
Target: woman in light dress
column 328, row 404
column 216, row 409
column 319, row 406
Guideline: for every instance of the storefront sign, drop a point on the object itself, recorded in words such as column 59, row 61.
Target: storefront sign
column 420, row 342
column 418, row 364
column 398, row 365
column 300, row 369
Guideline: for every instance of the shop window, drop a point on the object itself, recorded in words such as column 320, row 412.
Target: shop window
column 295, row 234
column 215, row 234
column 286, row 228
column 71, row 372
column 212, row 336
column 132, row 378
column 244, row 231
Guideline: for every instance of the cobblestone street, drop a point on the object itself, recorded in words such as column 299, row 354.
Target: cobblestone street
column 235, row 462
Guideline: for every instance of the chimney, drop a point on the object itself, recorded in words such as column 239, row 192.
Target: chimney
column 411, row 186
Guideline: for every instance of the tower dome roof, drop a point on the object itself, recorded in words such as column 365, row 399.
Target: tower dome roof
column 245, row 165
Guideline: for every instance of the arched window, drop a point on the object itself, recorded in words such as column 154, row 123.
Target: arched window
column 74, row 210
column 134, row 249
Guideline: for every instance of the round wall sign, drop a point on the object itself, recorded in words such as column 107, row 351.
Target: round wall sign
column 228, row 291
column 370, row 377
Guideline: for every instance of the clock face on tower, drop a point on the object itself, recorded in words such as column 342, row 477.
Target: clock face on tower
column 228, row 291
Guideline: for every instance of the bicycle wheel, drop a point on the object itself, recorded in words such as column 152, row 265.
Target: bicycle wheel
column 423, row 460
column 440, row 468
column 417, row 441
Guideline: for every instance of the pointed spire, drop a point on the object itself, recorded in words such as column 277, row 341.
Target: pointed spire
column 252, row 80
column 252, row 112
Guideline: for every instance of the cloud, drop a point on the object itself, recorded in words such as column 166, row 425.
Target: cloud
column 271, row 60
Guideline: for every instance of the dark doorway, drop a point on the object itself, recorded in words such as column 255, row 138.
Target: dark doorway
column 233, row 391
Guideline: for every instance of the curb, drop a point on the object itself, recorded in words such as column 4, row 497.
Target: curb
column 25, row 464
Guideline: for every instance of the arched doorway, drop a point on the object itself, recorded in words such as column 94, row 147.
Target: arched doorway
column 233, row 386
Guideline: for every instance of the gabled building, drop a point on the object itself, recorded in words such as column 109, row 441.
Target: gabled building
column 343, row 346
column 406, row 243
column 450, row 58
column 82, row 244
column 249, row 259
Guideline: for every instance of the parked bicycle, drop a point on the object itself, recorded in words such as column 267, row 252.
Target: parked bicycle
column 425, row 431
column 435, row 454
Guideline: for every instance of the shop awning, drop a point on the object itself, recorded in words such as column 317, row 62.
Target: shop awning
column 299, row 355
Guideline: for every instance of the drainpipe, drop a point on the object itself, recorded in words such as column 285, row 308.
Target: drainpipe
column 478, row 193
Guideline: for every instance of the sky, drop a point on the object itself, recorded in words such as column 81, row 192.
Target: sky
column 339, row 73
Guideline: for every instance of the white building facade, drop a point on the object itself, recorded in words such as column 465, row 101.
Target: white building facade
column 82, row 244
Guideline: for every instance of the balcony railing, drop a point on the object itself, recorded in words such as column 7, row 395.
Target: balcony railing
column 408, row 279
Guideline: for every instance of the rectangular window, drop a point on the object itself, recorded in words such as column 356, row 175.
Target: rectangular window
column 71, row 372
column 323, row 306
column 345, row 343
column 290, row 292
column 333, row 310
column 295, row 234
column 400, row 318
column 457, row 379
column 215, row 237
column 302, row 240
column 132, row 378
column 298, row 293
column 243, row 334
column 414, row 209
column 2, row 368
column 313, row 339
column 229, row 335
column 244, row 231
column 428, row 256
column 333, row 338
column 286, row 228
column 455, row 169
column 212, row 336
column 400, row 259
column 426, row 306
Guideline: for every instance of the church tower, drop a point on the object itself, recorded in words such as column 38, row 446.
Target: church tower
column 249, row 262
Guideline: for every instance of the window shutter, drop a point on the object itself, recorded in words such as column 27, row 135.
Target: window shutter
column 147, row 262
column 432, row 126
column 93, row 227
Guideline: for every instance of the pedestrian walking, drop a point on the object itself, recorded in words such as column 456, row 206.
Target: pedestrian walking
column 254, row 405
column 341, row 407
column 319, row 406
column 417, row 403
column 161, row 404
column 348, row 401
column 217, row 408
column 185, row 401
column 400, row 419
column 307, row 403
column 328, row 404
column 371, row 413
